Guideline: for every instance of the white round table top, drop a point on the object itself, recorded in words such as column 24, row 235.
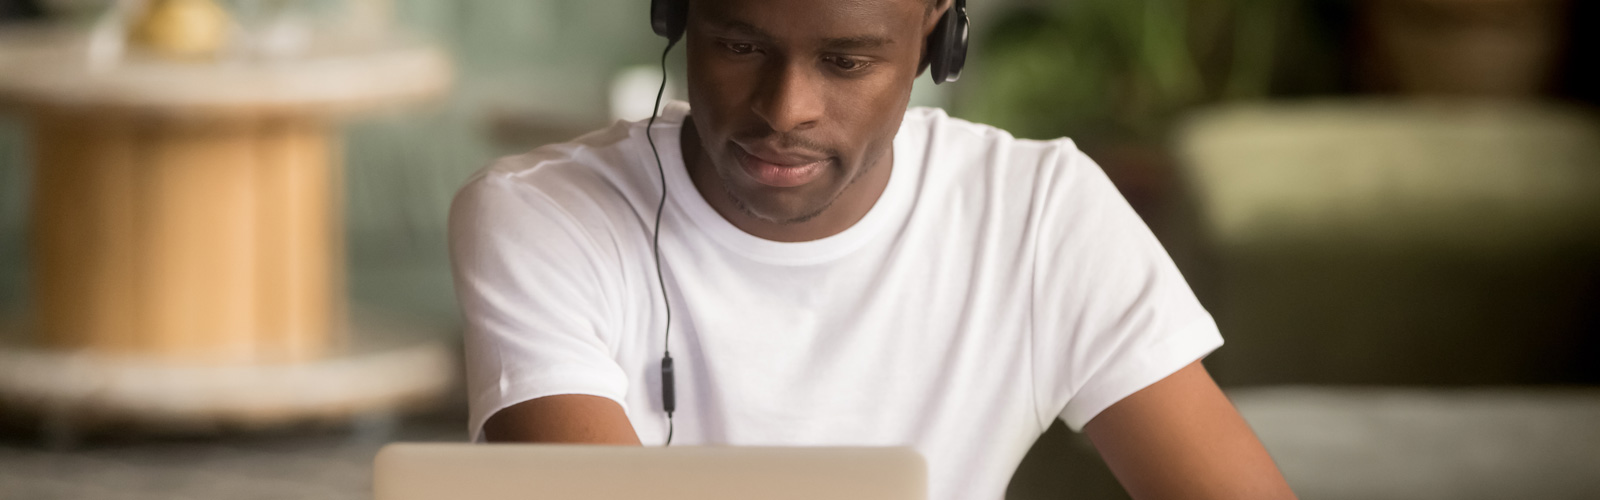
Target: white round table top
column 53, row 68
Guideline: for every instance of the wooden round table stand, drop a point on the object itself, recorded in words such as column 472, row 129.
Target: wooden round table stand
column 187, row 240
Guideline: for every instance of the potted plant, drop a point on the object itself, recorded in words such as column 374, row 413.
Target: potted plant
column 1113, row 74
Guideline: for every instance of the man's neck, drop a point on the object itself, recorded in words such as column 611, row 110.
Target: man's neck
column 853, row 204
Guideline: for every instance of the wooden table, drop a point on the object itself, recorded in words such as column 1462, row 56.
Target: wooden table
column 186, row 220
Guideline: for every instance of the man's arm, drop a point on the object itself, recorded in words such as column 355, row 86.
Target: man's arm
column 1181, row 438
column 567, row 418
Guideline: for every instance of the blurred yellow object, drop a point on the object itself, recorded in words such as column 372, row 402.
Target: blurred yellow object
column 182, row 28
column 190, row 239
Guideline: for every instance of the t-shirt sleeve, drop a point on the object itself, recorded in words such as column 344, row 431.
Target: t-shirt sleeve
column 1111, row 313
column 530, row 281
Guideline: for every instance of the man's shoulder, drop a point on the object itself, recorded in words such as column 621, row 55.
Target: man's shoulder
column 963, row 152
column 595, row 180
column 601, row 166
column 606, row 155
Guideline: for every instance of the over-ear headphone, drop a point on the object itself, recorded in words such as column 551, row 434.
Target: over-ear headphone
column 946, row 46
column 669, row 17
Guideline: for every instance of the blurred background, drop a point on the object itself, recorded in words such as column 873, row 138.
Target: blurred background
column 1392, row 207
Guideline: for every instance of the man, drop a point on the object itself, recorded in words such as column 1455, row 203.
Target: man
column 840, row 271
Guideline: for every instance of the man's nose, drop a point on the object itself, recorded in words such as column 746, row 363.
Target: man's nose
column 790, row 98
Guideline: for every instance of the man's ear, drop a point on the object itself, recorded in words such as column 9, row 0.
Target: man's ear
column 934, row 16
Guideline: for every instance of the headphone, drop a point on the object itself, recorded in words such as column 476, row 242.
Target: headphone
column 946, row 46
column 946, row 53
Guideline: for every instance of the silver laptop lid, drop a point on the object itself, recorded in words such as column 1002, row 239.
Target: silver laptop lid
column 416, row 471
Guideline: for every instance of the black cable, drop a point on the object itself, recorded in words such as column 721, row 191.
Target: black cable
column 668, row 398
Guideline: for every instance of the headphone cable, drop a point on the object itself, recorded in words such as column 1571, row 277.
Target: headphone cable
column 668, row 398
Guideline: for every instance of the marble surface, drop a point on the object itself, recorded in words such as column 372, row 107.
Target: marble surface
column 1332, row 443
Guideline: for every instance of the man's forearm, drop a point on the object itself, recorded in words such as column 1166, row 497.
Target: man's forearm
column 1181, row 438
column 567, row 418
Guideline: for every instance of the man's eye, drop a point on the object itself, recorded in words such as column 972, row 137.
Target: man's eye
column 739, row 47
column 848, row 64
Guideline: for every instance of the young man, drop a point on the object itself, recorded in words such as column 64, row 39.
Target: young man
column 841, row 271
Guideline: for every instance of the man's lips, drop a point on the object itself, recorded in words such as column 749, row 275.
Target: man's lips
column 780, row 169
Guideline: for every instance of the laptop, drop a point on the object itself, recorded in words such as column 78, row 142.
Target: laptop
column 440, row 471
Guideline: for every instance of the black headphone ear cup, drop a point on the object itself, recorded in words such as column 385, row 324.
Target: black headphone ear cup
column 947, row 45
column 668, row 18
column 956, row 58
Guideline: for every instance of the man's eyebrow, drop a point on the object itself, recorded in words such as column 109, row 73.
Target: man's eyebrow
column 742, row 28
column 857, row 42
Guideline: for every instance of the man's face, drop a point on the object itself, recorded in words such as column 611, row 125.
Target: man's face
column 793, row 100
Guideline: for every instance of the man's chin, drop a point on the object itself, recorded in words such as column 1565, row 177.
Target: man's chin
column 778, row 210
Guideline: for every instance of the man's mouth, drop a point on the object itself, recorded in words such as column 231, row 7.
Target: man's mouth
column 781, row 169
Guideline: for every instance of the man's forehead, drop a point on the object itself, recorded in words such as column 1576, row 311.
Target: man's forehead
column 851, row 22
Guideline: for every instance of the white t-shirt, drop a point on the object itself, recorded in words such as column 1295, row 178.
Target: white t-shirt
column 996, row 285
